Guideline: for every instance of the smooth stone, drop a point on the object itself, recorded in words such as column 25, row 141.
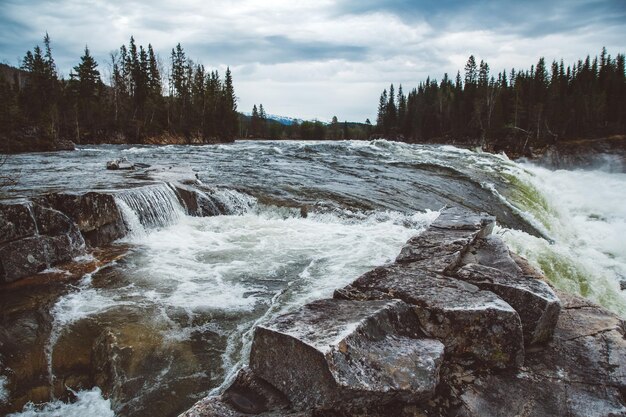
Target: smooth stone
column 347, row 355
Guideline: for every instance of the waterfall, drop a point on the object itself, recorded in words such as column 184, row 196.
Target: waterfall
column 225, row 202
column 149, row 207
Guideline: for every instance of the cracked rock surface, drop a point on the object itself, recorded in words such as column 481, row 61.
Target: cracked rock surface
column 514, row 346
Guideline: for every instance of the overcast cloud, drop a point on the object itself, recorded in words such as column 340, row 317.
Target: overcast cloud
column 316, row 59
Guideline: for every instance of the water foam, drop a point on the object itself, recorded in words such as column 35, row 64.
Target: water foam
column 88, row 403
column 584, row 212
column 4, row 391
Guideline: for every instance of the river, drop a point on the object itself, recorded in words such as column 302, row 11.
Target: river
column 189, row 290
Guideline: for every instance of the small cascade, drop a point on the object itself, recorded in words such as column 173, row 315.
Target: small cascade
column 226, row 202
column 149, row 207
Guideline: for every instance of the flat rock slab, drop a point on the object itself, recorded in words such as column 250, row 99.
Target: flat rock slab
column 457, row 218
column 437, row 250
column 441, row 247
column 492, row 251
column 347, row 354
column 473, row 324
column 534, row 300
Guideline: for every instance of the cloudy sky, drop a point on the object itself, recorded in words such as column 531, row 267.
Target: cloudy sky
column 316, row 59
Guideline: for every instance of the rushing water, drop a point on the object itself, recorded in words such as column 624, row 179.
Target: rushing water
column 190, row 289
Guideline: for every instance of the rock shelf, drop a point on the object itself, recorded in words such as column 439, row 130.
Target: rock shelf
column 456, row 326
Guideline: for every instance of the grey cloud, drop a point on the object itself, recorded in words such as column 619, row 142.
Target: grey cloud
column 530, row 18
column 276, row 50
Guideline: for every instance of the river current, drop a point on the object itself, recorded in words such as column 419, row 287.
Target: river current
column 191, row 289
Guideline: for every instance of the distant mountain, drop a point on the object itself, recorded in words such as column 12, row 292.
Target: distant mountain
column 283, row 120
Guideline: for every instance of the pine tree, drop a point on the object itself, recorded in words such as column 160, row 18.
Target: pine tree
column 255, row 122
column 229, row 105
column 382, row 113
column 86, row 83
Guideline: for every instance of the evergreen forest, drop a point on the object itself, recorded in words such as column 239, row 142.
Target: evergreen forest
column 142, row 98
column 514, row 110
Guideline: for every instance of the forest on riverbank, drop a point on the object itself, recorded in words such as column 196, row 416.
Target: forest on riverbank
column 513, row 111
column 143, row 100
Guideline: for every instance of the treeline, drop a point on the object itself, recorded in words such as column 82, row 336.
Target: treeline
column 259, row 126
column 143, row 98
column 513, row 111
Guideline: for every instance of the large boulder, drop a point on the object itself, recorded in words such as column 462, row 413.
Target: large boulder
column 16, row 222
column 490, row 265
column 96, row 214
column 534, row 300
column 581, row 373
column 22, row 258
column 36, row 238
column 340, row 354
column 474, row 325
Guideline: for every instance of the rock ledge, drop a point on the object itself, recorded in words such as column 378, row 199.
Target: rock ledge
column 457, row 326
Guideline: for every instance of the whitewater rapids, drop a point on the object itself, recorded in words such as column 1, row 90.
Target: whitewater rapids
column 205, row 282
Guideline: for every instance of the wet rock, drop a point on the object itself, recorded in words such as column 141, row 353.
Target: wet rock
column 493, row 252
column 622, row 283
column 195, row 202
column 535, row 302
column 247, row 395
column 457, row 218
column 65, row 240
column 442, row 246
column 22, row 258
column 582, row 372
column 475, row 326
column 128, row 355
column 16, row 222
column 121, row 164
column 54, row 239
column 25, row 325
column 96, row 215
column 338, row 354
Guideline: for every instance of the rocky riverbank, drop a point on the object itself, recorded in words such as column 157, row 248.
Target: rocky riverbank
column 48, row 245
column 32, row 141
column 607, row 153
column 457, row 326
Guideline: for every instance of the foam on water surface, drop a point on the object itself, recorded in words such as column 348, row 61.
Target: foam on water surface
column 89, row 403
column 585, row 214
column 213, row 278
